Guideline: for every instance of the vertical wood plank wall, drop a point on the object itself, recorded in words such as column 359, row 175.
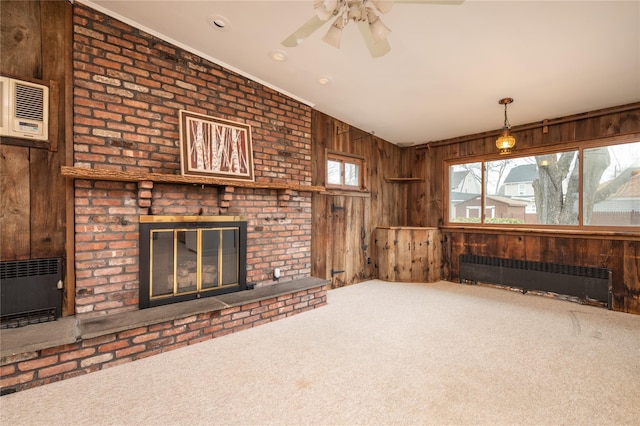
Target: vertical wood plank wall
column 340, row 233
column 35, row 44
column 426, row 203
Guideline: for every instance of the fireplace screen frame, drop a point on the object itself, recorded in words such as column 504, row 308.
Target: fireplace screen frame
column 151, row 227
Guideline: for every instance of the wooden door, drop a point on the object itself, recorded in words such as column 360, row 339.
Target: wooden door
column 341, row 240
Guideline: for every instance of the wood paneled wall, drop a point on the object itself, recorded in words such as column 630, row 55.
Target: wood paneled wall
column 426, row 202
column 344, row 222
column 35, row 45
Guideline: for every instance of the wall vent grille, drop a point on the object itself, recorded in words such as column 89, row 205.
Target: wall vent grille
column 29, row 102
column 29, row 291
column 29, row 268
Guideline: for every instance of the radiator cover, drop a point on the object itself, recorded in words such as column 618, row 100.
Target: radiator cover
column 585, row 283
column 29, row 291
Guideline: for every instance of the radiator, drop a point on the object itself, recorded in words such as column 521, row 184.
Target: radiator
column 585, row 283
column 29, row 291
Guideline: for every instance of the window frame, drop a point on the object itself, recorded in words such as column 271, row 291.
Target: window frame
column 580, row 227
column 344, row 158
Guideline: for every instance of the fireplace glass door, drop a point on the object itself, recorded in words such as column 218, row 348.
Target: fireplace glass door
column 185, row 261
column 189, row 260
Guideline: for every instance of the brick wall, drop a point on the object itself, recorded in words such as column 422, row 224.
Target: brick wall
column 27, row 370
column 128, row 90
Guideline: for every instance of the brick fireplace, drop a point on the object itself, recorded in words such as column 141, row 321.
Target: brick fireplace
column 129, row 87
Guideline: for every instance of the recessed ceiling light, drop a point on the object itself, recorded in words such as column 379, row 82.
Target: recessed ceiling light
column 219, row 22
column 278, row 55
column 324, row 79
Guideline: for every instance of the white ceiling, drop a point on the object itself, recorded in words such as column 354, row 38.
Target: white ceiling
column 448, row 66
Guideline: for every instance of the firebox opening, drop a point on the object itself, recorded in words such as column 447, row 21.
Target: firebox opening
column 189, row 257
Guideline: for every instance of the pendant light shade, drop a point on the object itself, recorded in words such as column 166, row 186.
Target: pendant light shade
column 505, row 141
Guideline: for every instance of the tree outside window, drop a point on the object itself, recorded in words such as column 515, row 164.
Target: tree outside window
column 545, row 189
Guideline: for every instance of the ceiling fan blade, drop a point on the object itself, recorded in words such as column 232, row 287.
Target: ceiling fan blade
column 384, row 6
column 378, row 49
column 303, row 32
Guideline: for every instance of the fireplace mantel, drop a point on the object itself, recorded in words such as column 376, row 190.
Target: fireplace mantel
column 120, row 176
column 146, row 181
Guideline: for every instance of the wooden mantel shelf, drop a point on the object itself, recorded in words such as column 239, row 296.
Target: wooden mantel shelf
column 119, row 176
column 404, row 179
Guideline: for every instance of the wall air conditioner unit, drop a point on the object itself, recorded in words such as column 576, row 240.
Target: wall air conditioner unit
column 24, row 111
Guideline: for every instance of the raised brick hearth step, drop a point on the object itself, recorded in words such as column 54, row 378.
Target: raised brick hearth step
column 42, row 353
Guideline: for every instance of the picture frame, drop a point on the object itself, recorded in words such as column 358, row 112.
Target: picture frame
column 214, row 147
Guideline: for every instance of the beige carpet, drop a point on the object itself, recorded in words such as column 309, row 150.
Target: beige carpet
column 378, row 353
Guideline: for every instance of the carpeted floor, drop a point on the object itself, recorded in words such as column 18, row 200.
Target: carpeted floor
column 378, row 353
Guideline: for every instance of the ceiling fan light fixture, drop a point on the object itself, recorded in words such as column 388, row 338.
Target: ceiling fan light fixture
column 365, row 13
column 356, row 11
column 506, row 141
column 334, row 33
column 325, row 8
column 379, row 30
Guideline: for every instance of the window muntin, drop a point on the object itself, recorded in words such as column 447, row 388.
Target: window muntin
column 345, row 172
column 545, row 189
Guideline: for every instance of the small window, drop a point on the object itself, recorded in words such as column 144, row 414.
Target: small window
column 345, row 172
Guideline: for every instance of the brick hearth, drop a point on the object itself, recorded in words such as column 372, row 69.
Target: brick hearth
column 45, row 353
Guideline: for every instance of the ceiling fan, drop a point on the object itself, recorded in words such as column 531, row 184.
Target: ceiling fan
column 366, row 13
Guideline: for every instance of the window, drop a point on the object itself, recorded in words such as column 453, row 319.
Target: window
column 552, row 189
column 611, row 185
column 465, row 181
column 345, row 171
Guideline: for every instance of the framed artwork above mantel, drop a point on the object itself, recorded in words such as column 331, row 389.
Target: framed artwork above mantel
column 215, row 147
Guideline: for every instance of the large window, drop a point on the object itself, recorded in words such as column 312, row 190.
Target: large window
column 550, row 189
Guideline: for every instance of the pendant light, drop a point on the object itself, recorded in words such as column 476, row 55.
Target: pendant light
column 505, row 141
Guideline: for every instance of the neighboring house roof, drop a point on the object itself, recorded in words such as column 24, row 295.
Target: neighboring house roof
column 524, row 173
column 461, row 196
column 498, row 199
column 626, row 198
column 508, row 201
column 631, row 189
column 457, row 178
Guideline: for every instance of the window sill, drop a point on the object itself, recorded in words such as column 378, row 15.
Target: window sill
column 403, row 180
column 346, row 192
column 545, row 232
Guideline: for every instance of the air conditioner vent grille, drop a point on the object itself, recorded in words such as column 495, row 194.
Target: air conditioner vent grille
column 29, row 102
